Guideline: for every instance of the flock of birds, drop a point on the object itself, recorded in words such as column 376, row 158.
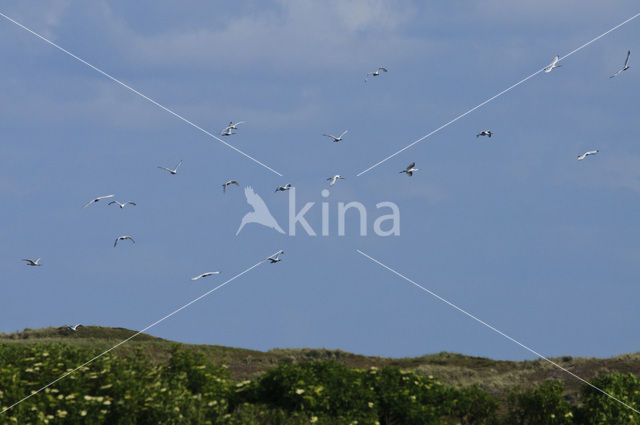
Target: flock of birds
column 228, row 131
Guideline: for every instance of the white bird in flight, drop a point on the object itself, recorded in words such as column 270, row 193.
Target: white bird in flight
column 74, row 328
column 336, row 139
column 274, row 258
column 375, row 73
column 96, row 200
column 233, row 126
column 227, row 132
column 204, row 275
column 410, row 169
column 586, row 154
column 121, row 238
column 625, row 67
column 283, row 188
column 553, row 64
column 334, row 179
column 174, row 171
column 121, row 205
column 31, row 262
column 230, row 182
column 485, row 133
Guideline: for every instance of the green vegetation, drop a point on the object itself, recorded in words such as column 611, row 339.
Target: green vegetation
column 154, row 381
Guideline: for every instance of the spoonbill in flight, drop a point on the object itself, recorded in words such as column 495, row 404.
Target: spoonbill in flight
column 121, row 238
column 334, row 179
column 625, row 67
column 174, row 171
column 375, row 73
column 96, row 200
column 410, row 169
column 553, row 64
column 204, row 275
column 336, row 139
column 122, row 205
column 274, row 259
column 586, row 154
column 230, row 182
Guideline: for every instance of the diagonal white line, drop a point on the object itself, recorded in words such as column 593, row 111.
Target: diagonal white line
column 175, row 114
column 132, row 336
column 495, row 330
column 496, row 96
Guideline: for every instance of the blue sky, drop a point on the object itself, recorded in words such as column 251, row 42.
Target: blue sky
column 513, row 229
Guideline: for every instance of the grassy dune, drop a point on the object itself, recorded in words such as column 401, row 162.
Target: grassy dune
column 493, row 376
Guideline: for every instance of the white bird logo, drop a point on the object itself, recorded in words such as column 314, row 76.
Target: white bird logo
column 260, row 213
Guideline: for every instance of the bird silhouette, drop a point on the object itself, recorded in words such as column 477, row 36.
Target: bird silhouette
column 260, row 213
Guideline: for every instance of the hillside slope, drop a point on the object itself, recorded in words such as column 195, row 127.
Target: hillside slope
column 493, row 376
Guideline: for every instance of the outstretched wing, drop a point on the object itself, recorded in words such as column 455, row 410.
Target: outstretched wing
column 382, row 69
column 343, row 133
column 89, row 203
column 626, row 61
column 413, row 164
column 254, row 199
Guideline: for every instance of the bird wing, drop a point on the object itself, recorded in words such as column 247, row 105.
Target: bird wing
column 27, row 260
column 105, row 196
column 113, row 202
column 165, row 168
column 343, row 133
column 116, row 242
column 382, row 69
column 413, row 164
column 254, row 200
column 329, row 135
column 197, row 277
column 130, row 238
column 131, row 202
column 179, row 164
column 240, row 122
column 626, row 61
column 234, row 182
column 89, row 203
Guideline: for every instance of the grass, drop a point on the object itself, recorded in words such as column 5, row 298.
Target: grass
column 493, row 376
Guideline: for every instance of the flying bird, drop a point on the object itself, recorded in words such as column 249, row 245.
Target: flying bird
column 625, row 67
column 227, row 132
column 553, row 64
column 283, row 188
column 274, row 258
column 485, row 133
column 122, row 205
column 336, row 139
column 74, row 328
column 410, row 169
column 121, row 238
column 230, row 182
column 586, row 154
column 334, row 179
column 204, row 275
column 260, row 213
column 233, row 126
column 375, row 73
column 31, row 262
column 174, row 171
column 96, row 200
